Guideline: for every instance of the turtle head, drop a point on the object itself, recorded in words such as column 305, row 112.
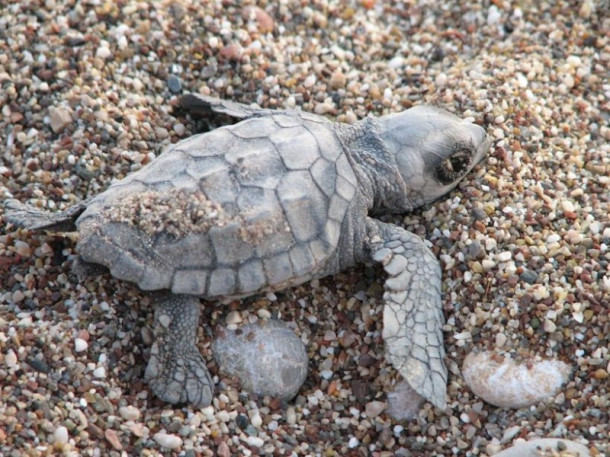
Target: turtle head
column 433, row 148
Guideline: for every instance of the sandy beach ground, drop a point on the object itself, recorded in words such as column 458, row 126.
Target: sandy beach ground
column 88, row 94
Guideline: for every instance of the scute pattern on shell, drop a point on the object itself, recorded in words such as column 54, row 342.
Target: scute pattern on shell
column 254, row 205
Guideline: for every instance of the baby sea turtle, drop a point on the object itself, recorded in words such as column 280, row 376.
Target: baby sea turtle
column 275, row 200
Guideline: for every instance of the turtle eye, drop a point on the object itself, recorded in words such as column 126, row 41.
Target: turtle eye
column 454, row 166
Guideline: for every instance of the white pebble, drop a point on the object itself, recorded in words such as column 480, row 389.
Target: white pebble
column 539, row 292
column 549, row 326
column 396, row 62
column 504, row 256
column 493, row 15
column 521, row 80
column 60, row 435
column 80, row 345
column 553, row 238
column 487, row 264
column 130, row 413
column 103, row 53
column 309, row 81
column 168, row 441
column 99, row 372
column 179, row 129
column 256, row 420
column 567, row 205
column 255, row 441
column 223, row 416
column 291, row 416
column 441, row 79
column 353, row 442
column 500, row 339
column 500, row 381
column 11, row 359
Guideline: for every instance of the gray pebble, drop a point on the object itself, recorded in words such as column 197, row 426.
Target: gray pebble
column 267, row 357
column 174, row 84
column 474, row 250
column 529, row 276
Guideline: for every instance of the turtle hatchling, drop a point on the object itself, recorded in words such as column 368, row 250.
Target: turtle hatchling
column 272, row 201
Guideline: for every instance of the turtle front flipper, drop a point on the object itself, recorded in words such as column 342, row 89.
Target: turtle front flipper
column 176, row 371
column 412, row 316
column 201, row 105
column 32, row 218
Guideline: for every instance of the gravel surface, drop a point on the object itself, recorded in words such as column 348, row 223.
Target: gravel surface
column 88, row 94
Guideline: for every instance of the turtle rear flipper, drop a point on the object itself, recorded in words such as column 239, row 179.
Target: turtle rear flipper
column 203, row 105
column 32, row 218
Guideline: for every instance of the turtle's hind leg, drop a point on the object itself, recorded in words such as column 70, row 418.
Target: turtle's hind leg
column 176, row 371
column 32, row 218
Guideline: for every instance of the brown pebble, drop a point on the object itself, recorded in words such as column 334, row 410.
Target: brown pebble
column 600, row 373
column 113, row 439
column 95, row 431
column 231, row 51
column 223, row 450
column 264, row 21
column 16, row 117
column 360, row 389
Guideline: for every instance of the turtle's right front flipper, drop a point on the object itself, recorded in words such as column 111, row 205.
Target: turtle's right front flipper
column 413, row 313
column 201, row 105
column 32, row 218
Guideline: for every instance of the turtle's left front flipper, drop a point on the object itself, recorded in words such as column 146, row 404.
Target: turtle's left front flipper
column 32, row 218
column 201, row 105
column 412, row 316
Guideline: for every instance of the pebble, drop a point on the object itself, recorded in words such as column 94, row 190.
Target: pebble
column 223, row 450
column 529, row 276
column 103, row 52
column 267, row 357
column 374, row 408
column 263, row 20
column 130, row 413
column 99, row 372
column 174, row 84
column 499, row 380
column 59, row 118
column 255, row 441
column 10, row 359
column 80, row 345
column 543, row 447
column 180, row 129
column 167, row 440
column 112, row 437
column 60, row 435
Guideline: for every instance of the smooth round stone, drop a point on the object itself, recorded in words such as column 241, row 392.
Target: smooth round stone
column 267, row 357
column 545, row 446
column 500, row 381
